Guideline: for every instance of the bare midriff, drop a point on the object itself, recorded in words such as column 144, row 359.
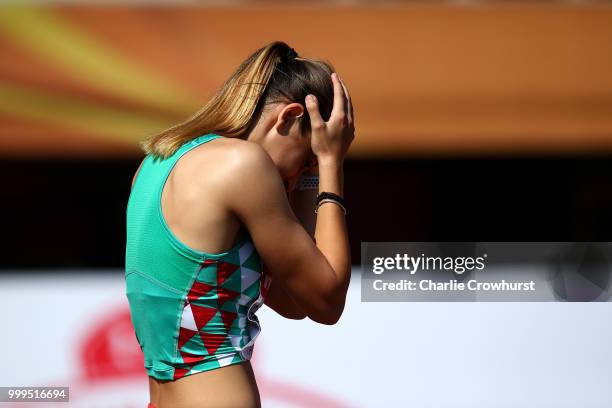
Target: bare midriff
column 233, row 386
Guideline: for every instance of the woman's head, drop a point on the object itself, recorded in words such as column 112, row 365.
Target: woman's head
column 262, row 101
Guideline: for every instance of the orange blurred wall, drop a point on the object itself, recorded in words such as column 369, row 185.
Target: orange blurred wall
column 425, row 80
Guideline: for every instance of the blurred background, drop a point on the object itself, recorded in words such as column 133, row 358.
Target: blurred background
column 476, row 121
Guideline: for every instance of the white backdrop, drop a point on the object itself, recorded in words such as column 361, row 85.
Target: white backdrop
column 72, row 329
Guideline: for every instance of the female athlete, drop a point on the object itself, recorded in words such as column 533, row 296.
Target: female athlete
column 216, row 226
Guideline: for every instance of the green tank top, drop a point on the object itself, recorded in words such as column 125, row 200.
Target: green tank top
column 192, row 311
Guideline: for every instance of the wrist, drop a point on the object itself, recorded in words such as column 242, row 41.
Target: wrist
column 330, row 161
column 331, row 179
column 330, row 197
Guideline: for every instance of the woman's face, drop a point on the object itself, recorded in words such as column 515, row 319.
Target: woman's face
column 292, row 176
column 291, row 153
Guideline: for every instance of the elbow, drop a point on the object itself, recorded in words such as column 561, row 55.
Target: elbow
column 330, row 304
column 330, row 315
column 294, row 315
column 328, row 320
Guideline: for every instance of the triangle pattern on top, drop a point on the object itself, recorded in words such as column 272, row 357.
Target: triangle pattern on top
column 202, row 315
column 213, row 326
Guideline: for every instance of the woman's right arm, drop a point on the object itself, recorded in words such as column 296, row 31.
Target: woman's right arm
column 315, row 273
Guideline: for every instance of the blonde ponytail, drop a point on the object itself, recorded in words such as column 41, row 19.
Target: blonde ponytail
column 233, row 109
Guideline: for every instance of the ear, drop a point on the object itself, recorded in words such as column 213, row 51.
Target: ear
column 287, row 117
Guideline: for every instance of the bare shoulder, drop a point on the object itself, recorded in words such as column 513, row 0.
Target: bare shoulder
column 233, row 152
column 233, row 165
column 245, row 159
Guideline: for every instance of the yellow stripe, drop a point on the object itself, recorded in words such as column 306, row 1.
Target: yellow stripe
column 74, row 114
column 88, row 60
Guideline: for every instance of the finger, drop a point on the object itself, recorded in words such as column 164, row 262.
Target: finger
column 316, row 121
column 339, row 106
column 349, row 102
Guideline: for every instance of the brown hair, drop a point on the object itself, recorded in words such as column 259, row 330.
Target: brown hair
column 267, row 76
